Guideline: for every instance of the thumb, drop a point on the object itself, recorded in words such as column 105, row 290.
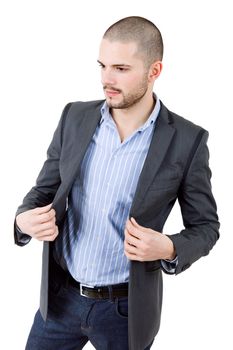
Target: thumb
column 44, row 209
column 135, row 224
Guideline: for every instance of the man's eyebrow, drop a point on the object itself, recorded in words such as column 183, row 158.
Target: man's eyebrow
column 116, row 65
column 100, row 63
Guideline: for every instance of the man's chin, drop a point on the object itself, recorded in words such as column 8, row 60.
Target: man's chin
column 115, row 105
column 112, row 104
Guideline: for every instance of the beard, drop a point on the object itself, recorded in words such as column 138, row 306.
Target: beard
column 128, row 99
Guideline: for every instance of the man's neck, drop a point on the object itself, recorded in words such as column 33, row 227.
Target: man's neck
column 130, row 119
column 136, row 115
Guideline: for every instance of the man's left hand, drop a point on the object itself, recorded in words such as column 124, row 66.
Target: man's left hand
column 145, row 244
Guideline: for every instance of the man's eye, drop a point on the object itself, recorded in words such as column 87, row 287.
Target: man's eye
column 121, row 69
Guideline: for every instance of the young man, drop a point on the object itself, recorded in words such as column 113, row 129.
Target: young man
column 114, row 171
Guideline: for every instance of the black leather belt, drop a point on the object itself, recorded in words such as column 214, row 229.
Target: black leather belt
column 102, row 292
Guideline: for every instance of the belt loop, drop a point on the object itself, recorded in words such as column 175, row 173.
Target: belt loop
column 110, row 293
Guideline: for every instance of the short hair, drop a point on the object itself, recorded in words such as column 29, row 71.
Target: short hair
column 141, row 31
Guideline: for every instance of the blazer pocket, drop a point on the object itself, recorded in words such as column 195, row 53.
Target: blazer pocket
column 153, row 265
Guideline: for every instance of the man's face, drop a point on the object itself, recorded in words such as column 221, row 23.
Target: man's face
column 123, row 74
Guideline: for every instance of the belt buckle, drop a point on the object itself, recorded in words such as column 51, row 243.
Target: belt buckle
column 81, row 289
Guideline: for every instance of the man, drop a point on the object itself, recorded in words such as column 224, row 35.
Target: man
column 114, row 171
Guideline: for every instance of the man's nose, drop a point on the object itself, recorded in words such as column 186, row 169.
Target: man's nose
column 107, row 78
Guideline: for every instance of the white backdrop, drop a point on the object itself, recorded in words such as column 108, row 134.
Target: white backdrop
column 48, row 58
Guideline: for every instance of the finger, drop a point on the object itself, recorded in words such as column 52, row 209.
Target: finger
column 131, row 239
column 49, row 237
column 133, row 246
column 130, row 249
column 135, row 224
column 45, row 233
column 44, row 209
column 46, row 226
column 133, row 230
column 45, row 217
column 132, row 256
column 52, row 237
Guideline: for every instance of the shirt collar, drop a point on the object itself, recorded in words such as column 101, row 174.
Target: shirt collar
column 106, row 115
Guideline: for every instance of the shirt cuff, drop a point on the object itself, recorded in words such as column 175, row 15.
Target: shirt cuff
column 169, row 266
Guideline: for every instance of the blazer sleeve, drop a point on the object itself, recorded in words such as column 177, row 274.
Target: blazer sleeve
column 198, row 210
column 47, row 182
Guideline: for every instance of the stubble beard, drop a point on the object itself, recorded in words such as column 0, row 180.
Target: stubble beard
column 129, row 99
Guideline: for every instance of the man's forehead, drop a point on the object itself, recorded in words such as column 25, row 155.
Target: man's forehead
column 119, row 46
column 118, row 51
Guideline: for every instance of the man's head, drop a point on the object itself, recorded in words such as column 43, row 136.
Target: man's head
column 130, row 55
column 143, row 33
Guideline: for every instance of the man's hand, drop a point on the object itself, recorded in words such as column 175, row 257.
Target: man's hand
column 145, row 244
column 39, row 223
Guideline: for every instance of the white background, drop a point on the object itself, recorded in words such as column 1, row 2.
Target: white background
column 48, row 58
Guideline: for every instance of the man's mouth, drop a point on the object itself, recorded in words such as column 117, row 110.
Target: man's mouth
column 111, row 92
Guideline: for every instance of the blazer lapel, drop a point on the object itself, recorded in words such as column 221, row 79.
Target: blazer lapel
column 83, row 134
column 79, row 135
column 161, row 140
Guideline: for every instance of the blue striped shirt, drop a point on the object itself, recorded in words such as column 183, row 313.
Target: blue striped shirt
column 91, row 245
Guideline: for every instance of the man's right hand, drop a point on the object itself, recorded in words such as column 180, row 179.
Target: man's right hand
column 39, row 223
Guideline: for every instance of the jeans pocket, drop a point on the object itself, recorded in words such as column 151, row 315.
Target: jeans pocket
column 121, row 306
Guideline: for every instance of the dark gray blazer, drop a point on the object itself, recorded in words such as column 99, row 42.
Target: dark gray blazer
column 176, row 167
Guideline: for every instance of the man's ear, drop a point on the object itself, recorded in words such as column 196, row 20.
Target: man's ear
column 155, row 71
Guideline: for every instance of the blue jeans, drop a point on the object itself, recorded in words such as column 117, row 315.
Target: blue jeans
column 73, row 320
